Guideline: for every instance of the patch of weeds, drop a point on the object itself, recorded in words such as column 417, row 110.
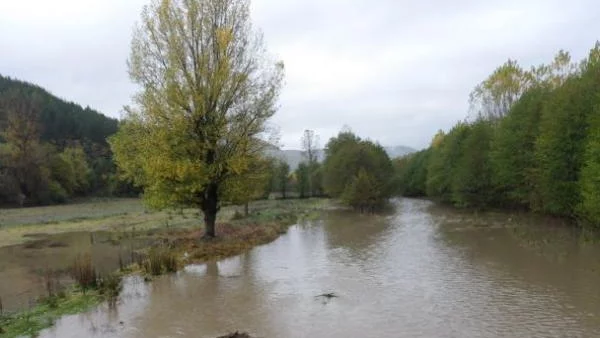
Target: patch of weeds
column 160, row 260
column 84, row 272
column 110, row 286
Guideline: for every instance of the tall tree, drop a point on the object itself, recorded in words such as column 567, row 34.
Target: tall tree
column 302, row 180
column 514, row 172
column 347, row 155
column 310, row 145
column 561, row 145
column 493, row 98
column 589, row 181
column 471, row 182
column 24, row 157
column 411, row 173
column 249, row 186
column 282, row 177
column 444, row 157
column 207, row 91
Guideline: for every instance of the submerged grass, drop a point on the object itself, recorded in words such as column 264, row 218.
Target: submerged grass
column 266, row 223
column 160, row 260
column 84, row 272
column 176, row 245
column 45, row 313
column 22, row 225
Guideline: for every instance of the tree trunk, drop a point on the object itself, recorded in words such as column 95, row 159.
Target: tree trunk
column 210, row 208
column 246, row 211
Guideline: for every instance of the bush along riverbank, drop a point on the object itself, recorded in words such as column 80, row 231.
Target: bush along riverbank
column 170, row 250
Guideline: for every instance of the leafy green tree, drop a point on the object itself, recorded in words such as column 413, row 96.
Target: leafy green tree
column 561, row 144
column 282, row 178
column 249, row 186
column 512, row 153
column 363, row 192
column 316, row 179
column 302, row 180
column 59, row 125
column 493, row 98
column 70, row 170
column 347, row 155
column 589, row 208
column 443, row 161
column 207, row 91
column 24, row 157
column 472, row 182
column 411, row 174
column 310, row 145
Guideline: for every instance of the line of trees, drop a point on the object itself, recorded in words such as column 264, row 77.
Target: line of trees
column 532, row 142
column 358, row 172
column 52, row 150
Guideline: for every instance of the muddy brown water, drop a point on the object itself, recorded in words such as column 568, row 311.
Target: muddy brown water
column 424, row 271
column 23, row 268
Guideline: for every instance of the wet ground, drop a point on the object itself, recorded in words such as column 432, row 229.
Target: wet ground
column 423, row 271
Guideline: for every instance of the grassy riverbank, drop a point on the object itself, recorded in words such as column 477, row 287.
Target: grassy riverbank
column 20, row 225
column 174, row 237
column 46, row 312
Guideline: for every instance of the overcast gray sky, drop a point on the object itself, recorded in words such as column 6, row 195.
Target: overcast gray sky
column 392, row 70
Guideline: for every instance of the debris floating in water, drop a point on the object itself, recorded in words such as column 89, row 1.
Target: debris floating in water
column 236, row 334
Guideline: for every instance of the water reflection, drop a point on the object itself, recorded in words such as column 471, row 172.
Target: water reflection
column 422, row 272
column 22, row 267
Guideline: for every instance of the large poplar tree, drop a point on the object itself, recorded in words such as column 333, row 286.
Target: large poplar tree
column 207, row 89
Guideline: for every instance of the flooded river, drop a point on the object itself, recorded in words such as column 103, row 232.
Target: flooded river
column 424, row 271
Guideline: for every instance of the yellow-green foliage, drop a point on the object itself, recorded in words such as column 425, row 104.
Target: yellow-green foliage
column 206, row 93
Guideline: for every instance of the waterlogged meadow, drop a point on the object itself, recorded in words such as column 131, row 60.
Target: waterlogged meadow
column 66, row 259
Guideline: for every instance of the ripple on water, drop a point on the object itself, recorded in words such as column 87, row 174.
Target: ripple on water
column 408, row 275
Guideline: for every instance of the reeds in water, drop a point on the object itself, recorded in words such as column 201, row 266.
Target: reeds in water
column 159, row 261
column 84, row 273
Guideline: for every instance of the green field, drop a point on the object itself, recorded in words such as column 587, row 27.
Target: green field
column 19, row 225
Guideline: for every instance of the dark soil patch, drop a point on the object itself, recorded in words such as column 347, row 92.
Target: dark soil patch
column 36, row 235
column 44, row 243
column 38, row 244
column 236, row 335
column 56, row 244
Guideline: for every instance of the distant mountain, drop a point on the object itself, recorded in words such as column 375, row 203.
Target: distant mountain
column 294, row 157
column 61, row 121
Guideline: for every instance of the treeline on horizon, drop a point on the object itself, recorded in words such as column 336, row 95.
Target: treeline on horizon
column 532, row 143
column 52, row 150
column 356, row 171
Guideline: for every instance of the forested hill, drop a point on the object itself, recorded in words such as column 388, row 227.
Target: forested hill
column 52, row 150
column 60, row 121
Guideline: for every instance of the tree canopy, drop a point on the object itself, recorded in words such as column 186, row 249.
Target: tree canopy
column 358, row 171
column 534, row 144
column 207, row 90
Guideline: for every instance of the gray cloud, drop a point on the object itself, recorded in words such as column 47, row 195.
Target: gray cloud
column 394, row 71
